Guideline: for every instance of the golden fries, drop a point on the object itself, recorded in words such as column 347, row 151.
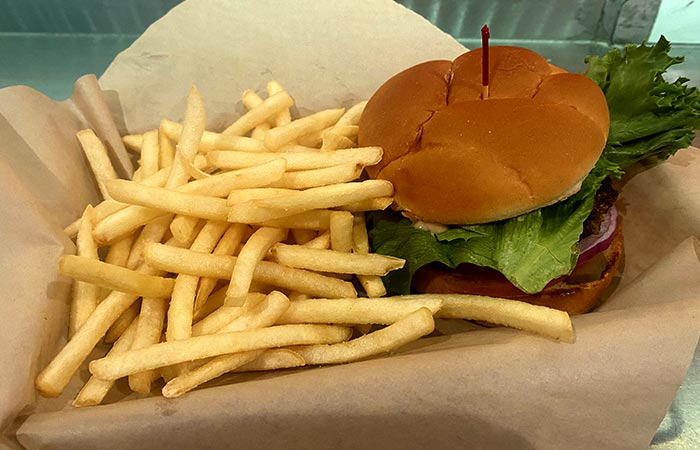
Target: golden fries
column 192, row 130
column 240, row 251
column 98, row 157
column 95, row 389
column 113, row 277
column 407, row 329
column 523, row 316
column 334, row 261
column 274, row 104
column 174, row 352
column 214, row 141
column 177, row 260
column 366, row 156
column 383, row 311
column 251, row 254
column 85, row 295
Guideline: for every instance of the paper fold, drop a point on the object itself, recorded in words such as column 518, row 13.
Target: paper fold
column 498, row 388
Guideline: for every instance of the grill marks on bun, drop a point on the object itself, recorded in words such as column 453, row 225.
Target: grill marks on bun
column 455, row 158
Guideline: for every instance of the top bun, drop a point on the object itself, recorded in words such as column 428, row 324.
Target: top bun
column 455, row 158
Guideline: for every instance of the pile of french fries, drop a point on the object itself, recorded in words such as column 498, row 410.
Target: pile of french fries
column 239, row 251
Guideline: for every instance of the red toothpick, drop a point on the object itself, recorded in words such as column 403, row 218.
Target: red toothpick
column 485, row 61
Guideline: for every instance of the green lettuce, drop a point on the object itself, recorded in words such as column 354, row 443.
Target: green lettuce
column 649, row 118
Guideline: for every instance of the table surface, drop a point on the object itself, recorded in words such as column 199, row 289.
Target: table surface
column 51, row 62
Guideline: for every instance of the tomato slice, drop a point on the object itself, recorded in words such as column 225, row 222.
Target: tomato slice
column 467, row 279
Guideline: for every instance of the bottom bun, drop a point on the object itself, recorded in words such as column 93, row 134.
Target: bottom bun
column 574, row 294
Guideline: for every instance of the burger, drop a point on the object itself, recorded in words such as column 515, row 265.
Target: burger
column 512, row 195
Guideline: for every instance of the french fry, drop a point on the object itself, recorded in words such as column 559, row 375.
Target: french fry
column 109, row 207
column 133, row 142
column 95, row 390
column 305, row 179
column 365, row 156
column 148, row 164
column 536, row 319
column 268, row 108
column 259, row 314
column 151, row 232
column 334, row 141
column 352, row 115
column 372, row 284
column 259, row 131
column 98, row 157
column 298, row 148
column 85, row 296
column 192, row 129
column 122, row 323
column 335, row 137
column 336, row 262
column 329, row 196
column 218, row 319
column 217, row 266
column 322, row 241
column 246, row 195
column 383, row 311
column 55, row 377
column 222, row 184
column 318, row 220
column 303, row 236
column 273, row 359
column 132, row 217
column 251, row 254
column 371, row 204
column 166, row 149
column 215, row 141
column 218, row 366
column 411, row 327
column 114, row 277
column 296, row 296
column 252, row 100
column 281, row 135
column 136, row 176
column 213, row 302
column 327, row 135
column 181, row 308
column 283, row 117
column 166, row 200
column 189, row 167
column 149, row 327
column 118, row 253
column 256, row 211
column 123, row 222
column 174, row 352
column 209, row 236
column 341, row 231
column 227, row 245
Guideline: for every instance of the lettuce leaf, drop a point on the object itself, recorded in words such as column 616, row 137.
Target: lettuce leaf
column 649, row 117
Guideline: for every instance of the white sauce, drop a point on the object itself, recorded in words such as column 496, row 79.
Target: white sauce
column 434, row 228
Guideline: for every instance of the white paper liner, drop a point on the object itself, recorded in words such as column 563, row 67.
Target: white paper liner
column 494, row 388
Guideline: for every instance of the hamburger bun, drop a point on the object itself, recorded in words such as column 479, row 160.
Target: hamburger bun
column 455, row 158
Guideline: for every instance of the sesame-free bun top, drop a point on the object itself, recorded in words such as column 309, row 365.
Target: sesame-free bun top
column 455, row 158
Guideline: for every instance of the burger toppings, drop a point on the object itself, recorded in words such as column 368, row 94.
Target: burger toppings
column 649, row 118
column 593, row 244
column 605, row 199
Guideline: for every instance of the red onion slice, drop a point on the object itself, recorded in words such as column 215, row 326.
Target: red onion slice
column 596, row 243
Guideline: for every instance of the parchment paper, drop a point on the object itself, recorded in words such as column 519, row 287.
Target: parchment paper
column 493, row 388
